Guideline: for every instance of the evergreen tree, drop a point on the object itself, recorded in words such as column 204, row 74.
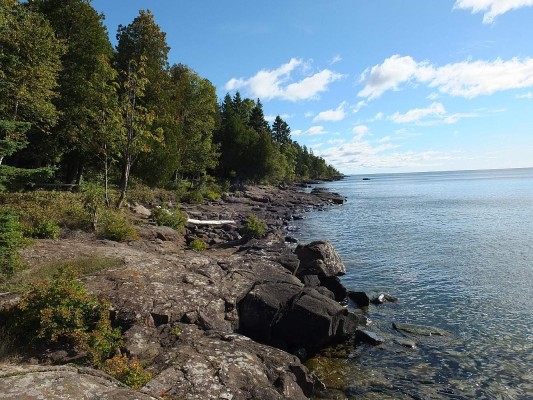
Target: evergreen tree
column 85, row 79
column 281, row 132
column 30, row 63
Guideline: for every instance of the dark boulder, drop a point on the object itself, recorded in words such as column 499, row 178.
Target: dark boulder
column 359, row 298
column 319, row 258
column 334, row 284
column 366, row 336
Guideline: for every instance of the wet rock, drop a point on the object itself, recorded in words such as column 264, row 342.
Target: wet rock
column 405, row 342
column 382, row 298
column 366, row 336
column 359, row 298
column 419, row 329
column 334, row 284
column 290, row 239
column 319, row 258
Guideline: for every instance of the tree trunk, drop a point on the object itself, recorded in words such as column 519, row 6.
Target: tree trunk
column 124, row 182
column 106, row 178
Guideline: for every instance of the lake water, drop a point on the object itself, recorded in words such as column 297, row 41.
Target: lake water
column 456, row 248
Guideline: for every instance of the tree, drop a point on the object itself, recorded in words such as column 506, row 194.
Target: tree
column 281, row 132
column 137, row 135
column 85, row 80
column 30, row 62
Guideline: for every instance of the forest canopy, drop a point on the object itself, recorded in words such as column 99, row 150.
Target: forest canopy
column 74, row 107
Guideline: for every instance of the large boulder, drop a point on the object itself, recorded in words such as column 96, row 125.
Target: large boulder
column 293, row 318
column 211, row 365
column 319, row 258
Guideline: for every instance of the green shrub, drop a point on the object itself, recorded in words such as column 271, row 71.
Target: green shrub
column 114, row 225
column 254, row 228
column 193, row 196
column 173, row 219
column 128, row 371
column 45, row 230
column 198, row 245
column 11, row 240
column 62, row 310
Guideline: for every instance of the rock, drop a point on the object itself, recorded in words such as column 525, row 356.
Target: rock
column 141, row 210
column 213, row 365
column 290, row 239
column 310, row 280
column 405, row 342
column 319, row 258
column 359, row 298
column 63, row 382
column 334, row 284
column 292, row 317
column 383, row 298
column 419, row 329
column 366, row 336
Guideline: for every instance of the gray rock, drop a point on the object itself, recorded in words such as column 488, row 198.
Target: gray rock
column 419, row 329
column 63, row 382
column 366, row 336
column 319, row 258
column 405, row 342
column 359, row 298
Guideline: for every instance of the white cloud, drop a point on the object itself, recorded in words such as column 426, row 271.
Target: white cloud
column 271, row 118
column 491, row 8
column 528, row 95
column 434, row 114
column 278, row 83
column 416, row 114
column 332, row 115
column 360, row 104
column 464, row 79
column 385, row 139
column 335, row 59
column 308, row 114
column 314, row 130
column 360, row 131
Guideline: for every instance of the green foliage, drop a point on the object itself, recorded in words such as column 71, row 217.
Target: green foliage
column 128, row 371
column 64, row 209
column 21, row 280
column 197, row 245
column 63, row 310
column 115, row 225
column 174, row 219
column 254, row 228
column 11, row 240
column 45, row 229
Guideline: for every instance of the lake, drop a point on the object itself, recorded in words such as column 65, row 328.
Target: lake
column 456, row 249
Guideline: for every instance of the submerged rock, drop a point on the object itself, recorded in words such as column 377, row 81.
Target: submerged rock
column 366, row 336
column 419, row 329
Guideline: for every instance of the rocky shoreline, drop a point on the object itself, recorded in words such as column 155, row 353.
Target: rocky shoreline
column 234, row 322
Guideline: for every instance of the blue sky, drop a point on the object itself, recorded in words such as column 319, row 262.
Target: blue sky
column 371, row 85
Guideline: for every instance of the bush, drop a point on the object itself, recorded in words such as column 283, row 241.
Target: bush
column 254, row 228
column 198, row 245
column 173, row 219
column 193, row 196
column 11, row 240
column 114, row 225
column 62, row 310
column 45, row 230
column 128, row 371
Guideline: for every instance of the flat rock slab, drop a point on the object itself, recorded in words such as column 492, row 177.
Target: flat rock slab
column 419, row 329
column 29, row 382
column 366, row 336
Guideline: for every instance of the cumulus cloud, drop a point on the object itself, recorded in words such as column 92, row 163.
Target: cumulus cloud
column 464, row 79
column 434, row 114
column 271, row 118
column 528, row 95
column 314, row 130
column 416, row 114
column 279, row 83
column 491, row 8
column 360, row 131
column 337, row 114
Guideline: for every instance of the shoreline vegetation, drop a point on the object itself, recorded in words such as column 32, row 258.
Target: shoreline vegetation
column 109, row 159
column 234, row 317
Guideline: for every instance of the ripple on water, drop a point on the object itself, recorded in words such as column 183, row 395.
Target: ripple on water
column 456, row 250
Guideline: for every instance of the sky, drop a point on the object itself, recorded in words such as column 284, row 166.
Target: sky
column 373, row 86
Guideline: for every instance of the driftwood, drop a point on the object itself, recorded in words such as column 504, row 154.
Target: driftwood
column 210, row 222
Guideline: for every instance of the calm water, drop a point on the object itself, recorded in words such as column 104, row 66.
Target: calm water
column 457, row 249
